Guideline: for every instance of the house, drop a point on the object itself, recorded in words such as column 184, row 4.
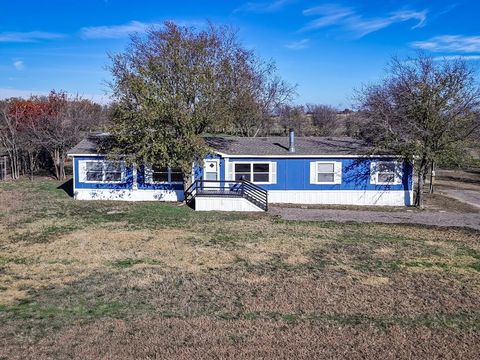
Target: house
column 243, row 173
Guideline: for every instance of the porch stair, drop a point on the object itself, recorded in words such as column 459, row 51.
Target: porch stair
column 242, row 195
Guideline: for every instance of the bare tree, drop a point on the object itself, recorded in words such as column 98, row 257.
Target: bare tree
column 61, row 123
column 294, row 117
column 256, row 91
column 9, row 136
column 176, row 83
column 423, row 109
column 50, row 123
column 324, row 118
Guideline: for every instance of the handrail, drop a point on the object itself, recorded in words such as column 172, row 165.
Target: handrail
column 243, row 188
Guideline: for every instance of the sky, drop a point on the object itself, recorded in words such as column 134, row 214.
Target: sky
column 326, row 48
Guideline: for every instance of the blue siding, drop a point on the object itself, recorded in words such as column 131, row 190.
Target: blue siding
column 294, row 174
column 118, row 186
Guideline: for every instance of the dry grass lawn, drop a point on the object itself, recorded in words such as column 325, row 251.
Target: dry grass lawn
column 109, row 280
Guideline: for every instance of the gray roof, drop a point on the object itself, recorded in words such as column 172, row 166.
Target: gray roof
column 89, row 145
column 276, row 145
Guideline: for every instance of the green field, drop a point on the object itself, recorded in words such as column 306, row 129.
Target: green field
column 98, row 280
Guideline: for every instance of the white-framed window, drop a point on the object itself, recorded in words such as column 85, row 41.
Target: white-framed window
column 102, row 171
column 160, row 175
column 325, row 172
column 258, row 172
column 386, row 172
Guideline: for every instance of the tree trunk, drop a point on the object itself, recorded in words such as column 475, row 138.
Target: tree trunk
column 187, row 181
column 61, row 165
column 31, row 157
column 432, row 177
column 14, row 163
column 422, row 171
column 55, row 163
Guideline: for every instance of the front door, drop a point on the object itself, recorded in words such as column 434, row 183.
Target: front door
column 211, row 172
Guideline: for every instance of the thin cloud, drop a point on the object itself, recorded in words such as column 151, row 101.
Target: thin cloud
column 114, row 31
column 450, row 43
column 263, row 7
column 457, row 57
column 347, row 19
column 30, row 36
column 124, row 30
column 19, row 65
column 298, row 45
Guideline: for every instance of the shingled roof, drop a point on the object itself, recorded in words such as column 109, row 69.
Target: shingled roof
column 278, row 145
column 90, row 145
column 262, row 146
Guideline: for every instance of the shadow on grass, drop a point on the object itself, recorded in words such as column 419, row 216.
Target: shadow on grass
column 67, row 186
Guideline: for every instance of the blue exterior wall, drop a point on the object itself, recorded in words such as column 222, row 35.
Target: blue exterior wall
column 118, row 186
column 128, row 184
column 292, row 174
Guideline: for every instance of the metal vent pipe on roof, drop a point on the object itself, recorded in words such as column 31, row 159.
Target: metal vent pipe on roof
column 291, row 141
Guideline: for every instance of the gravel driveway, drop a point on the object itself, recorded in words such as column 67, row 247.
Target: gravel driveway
column 471, row 197
column 447, row 219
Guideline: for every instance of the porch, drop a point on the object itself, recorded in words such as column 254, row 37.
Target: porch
column 208, row 195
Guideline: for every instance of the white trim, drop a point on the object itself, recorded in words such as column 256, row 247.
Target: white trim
column 217, row 161
column 397, row 173
column 341, row 197
column 192, row 177
column 74, row 177
column 81, row 177
column 270, row 170
column 330, row 156
column 229, row 171
column 87, row 155
column 135, row 177
column 337, row 172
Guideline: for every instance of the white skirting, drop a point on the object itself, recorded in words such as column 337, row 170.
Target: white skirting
column 224, row 204
column 128, row 195
column 342, row 197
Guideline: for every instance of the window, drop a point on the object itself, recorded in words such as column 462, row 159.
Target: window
column 94, row 171
column 261, row 172
column 243, row 172
column 157, row 175
column 326, row 172
column 385, row 173
column 113, row 172
column 102, row 171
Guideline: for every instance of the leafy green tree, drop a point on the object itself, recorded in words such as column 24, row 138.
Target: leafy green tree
column 176, row 83
column 424, row 109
